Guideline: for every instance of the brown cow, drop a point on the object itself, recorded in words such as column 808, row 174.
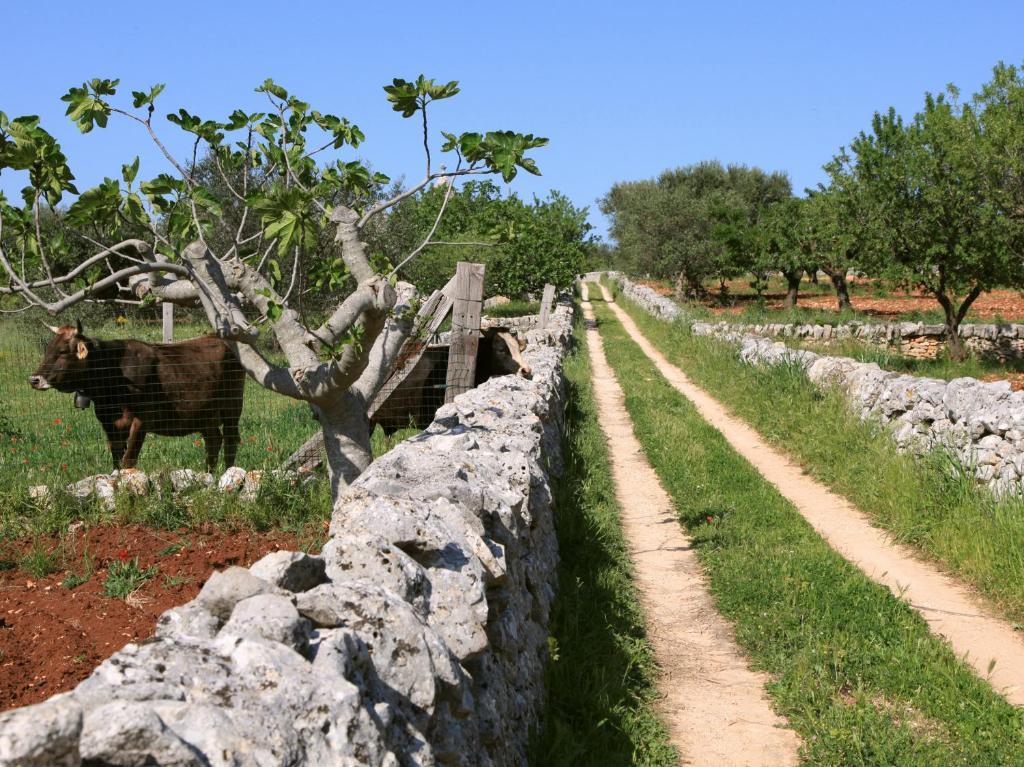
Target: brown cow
column 418, row 397
column 139, row 388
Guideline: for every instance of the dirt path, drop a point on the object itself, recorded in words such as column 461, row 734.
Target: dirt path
column 949, row 608
column 714, row 706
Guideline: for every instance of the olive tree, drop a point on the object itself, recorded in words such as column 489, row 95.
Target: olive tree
column 285, row 176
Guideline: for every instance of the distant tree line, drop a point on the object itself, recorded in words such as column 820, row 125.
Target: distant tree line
column 935, row 203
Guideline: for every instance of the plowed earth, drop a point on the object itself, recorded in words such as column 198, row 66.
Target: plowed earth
column 52, row 637
column 1003, row 304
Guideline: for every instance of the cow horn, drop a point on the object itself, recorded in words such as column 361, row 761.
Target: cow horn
column 78, row 324
column 52, row 328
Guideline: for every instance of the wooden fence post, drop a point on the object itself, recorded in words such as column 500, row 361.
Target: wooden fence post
column 545, row 305
column 469, row 298
column 168, row 317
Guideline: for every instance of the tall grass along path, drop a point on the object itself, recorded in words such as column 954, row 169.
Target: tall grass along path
column 988, row 644
column 704, row 675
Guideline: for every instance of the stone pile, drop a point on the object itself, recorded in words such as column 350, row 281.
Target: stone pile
column 981, row 423
column 418, row 635
column 105, row 487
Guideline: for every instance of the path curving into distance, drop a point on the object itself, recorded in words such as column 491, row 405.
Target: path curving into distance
column 989, row 644
column 704, row 676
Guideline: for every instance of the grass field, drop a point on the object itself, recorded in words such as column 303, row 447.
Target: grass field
column 600, row 678
column 856, row 671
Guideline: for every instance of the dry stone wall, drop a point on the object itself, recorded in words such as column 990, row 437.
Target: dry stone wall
column 914, row 339
column 418, row 635
column 981, row 423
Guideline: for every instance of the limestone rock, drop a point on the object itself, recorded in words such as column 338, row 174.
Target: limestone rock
column 290, row 570
column 43, row 735
column 226, row 588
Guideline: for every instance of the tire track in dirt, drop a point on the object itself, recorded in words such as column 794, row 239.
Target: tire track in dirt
column 988, row 644
column 704, row 676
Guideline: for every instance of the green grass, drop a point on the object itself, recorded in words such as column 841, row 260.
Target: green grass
column 855, row 670
column 125, row 577
column 928, row 503
column 600, row 677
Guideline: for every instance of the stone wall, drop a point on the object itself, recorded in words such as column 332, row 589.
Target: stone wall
column 418, row 635
column 914, row 339
column 982, row 424
column 646, row 298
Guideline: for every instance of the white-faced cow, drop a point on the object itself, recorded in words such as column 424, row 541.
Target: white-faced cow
column 418, row 397
column 137, row 389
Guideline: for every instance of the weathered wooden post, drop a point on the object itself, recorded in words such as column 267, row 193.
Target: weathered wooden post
column 168, row 317
column 546, row 300
column 469, row 298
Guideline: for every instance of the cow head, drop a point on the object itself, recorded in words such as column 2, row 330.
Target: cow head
column 64, row 360
column 507, row 353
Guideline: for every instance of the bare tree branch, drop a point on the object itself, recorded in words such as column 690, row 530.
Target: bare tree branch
column 385, row 204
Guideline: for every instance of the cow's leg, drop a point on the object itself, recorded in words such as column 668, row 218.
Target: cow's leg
column 212, row 438
column 116, row 440
column 136, row 436
column 231, row 440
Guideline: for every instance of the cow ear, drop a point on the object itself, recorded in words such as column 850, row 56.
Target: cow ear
column 82, row 350
column 522, row 344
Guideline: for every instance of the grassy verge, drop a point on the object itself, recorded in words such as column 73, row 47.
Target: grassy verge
column 928, row 503
column 855, row 670
column 600, row 677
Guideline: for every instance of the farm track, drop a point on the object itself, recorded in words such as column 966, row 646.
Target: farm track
column 704, row 675
column 988, row 644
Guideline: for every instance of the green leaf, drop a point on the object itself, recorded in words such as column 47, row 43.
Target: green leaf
column 141, row 98
column 129, row 172
column 269, row 86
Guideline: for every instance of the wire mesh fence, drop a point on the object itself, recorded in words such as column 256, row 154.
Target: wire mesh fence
column 50, row 437
column 46, row 439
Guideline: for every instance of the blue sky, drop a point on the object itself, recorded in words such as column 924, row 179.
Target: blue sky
column 622, row 89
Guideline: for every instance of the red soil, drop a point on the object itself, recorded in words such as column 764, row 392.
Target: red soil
column 1007, row 305
column 51, row 637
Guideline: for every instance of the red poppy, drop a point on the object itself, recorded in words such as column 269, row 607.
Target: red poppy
column 123, row 555
column 56, row 421
column 709, row 519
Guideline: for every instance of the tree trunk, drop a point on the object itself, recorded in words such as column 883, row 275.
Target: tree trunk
column 954, row 316
column 838, row 278
column 346, row 438
column 792, row 288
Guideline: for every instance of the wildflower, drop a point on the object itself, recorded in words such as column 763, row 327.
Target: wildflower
column 123, row 555
column 196, row 442
column 270, row 448
column 56, row 421
column 709, row 519
column 63, row 467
